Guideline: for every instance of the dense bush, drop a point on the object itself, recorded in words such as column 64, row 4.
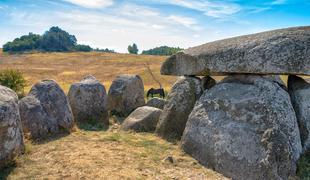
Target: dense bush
column 163, row 50
column 53, row 40
column 14, row 80
column 25, row 43
column 104, row 50
column 83, row 48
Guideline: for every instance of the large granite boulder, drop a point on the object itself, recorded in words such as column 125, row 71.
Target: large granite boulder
column 11, row 135
column 245, row 128
column 156, row 102
column 283, row 51
column 45, row 110
column 299, row 91
column 180, row 102
column 88, row 101
column 143, row 119
column 126, row 94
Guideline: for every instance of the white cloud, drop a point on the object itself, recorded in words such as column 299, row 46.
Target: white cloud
column 217, row 9
column 92, row 3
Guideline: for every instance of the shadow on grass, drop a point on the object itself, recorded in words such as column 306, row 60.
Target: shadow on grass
column 51, row 137
column 5, row 172
column 92, row 125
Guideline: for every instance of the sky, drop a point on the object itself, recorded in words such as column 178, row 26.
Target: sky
column 115, row 24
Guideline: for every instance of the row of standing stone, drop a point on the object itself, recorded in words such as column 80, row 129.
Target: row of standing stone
column 47, row 111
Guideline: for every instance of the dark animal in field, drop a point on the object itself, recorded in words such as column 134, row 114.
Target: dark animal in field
column 151, row 92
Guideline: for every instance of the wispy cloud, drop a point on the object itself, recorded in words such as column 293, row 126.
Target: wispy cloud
column 185, row 21
column 217, row 9
column 278, row 2
column 92, row 3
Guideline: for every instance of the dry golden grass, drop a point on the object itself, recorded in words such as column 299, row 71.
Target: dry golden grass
column 107, row 155
column 67, row 68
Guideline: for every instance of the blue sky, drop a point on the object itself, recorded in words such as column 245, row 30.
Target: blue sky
column 116, row 23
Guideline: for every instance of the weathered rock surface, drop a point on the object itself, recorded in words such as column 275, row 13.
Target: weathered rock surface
column 126, row 94
column 207, row 82
column 11, row 135
column 88, row 101
column 299, row 91
column 180, row 102
column 156, row 102
column 245, row 128
column 143, row 119
column 45, row 110
column 283, row 51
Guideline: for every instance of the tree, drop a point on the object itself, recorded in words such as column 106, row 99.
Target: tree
column 133, row 49
column 162, row 50
column 57, row 40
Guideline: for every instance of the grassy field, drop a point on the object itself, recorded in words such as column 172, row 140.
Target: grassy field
column 98, row 154
column 67, row 68
column 106, row 155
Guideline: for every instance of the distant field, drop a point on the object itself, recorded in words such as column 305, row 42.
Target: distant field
column 67, row 68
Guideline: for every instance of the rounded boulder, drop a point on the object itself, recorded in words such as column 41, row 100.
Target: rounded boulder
column 126, row 94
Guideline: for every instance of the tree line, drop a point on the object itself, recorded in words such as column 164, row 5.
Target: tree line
column 58, row 40
column 53, row 40
column 162, row 50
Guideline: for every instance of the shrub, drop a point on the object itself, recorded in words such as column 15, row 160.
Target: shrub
column 83, row 48
column 14, row 80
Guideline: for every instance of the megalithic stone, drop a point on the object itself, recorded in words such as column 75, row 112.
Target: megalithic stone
column 283, row 51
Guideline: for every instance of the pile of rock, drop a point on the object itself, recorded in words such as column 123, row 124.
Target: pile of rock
column 248, row 126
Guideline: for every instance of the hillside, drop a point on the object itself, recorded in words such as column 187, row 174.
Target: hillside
column 67, row 68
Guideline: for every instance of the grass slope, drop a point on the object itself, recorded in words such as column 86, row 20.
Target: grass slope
column 67, row 68
column 106, row 155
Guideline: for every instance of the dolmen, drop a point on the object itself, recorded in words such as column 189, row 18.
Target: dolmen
column 249, row 125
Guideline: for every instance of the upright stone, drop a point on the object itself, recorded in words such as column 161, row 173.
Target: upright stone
column 126, row 94
column 299, row 91
column 88, row 100
column 283, row 51
column 11, row 135
column 245, row 127
column 180, row 102
column 45, row 110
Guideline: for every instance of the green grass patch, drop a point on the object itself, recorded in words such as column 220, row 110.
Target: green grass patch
column 303, row 170
column 91, row 125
